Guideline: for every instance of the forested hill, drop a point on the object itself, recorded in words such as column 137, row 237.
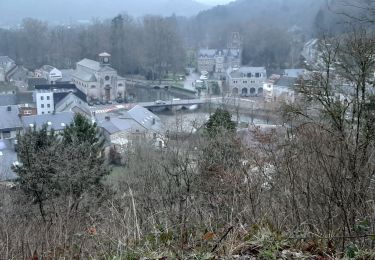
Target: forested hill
column 285, row 12
column 243, row 13
column 72, row 10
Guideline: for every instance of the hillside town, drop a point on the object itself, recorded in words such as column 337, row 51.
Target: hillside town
column 221, row 135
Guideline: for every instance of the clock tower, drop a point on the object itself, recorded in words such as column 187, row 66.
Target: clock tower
column 104, row 59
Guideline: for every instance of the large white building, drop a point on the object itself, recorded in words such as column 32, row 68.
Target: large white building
column 98, row 80
column 246, row 81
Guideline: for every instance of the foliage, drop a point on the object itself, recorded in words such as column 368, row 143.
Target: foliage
column 68, row 167
column 218, row 122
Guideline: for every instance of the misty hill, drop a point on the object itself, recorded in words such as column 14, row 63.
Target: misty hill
column 73, row 10
column 282, row 13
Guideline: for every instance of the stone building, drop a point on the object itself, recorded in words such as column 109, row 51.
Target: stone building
column 246, row 81
column 98, row 80
column 217, row 61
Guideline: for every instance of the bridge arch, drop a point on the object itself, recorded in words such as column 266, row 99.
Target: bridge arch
column 244, row 91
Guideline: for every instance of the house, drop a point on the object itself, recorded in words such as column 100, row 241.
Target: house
column 98, row 80
column 6, row 67
column 246, row 81
column 55, row 121
column 74, row 102
column 58, row 98
column 51, row 74
column 135, row 125
column 10, row 122
column 281, row 89
column 19, row 75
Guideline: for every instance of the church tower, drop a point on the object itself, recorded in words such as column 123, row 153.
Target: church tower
column 234, row 41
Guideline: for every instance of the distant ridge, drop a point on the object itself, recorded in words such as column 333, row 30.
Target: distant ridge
column 73, row 10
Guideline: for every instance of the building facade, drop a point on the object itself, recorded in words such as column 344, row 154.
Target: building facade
column 246, row 81
column 98, row 80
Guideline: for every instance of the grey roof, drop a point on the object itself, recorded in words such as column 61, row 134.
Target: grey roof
column 7, row 157
column 9, row 120
column 67, row 75
column 25, row 98
column 8, row 99
column 56, row 121
column 120, row 124
column 144, row 117
column 138, row 118
column 5, row 60
column 47, row 68
column 85, row 76
column 294, row 73
column 238, row 73
column 91, row 64
column 286, row 82
column 207, row 52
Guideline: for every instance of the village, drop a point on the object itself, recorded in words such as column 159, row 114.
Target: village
column 51, row 96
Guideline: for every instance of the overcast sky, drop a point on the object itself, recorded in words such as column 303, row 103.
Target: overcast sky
column 214, row 2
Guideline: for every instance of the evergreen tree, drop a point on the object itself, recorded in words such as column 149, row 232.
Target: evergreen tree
column 220, row 121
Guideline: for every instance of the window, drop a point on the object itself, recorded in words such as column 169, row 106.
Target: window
column 244, row 82
column 41, row 98
column 6, row 134
column 48, row 97
column 48, row 105
column 257, row 75
column 42, row 105
column 106, row 78
column 42, row 113
column 93, row 86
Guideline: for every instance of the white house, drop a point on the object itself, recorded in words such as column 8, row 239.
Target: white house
column 246, row 81
column 44, row 102
column 280, row 90
column 98, row 80
column 51, row 74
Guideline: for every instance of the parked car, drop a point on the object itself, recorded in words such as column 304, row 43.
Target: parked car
column 109, row 102
column 103, row 102
column 97, row 102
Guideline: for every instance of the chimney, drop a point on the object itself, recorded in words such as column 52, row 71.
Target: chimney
column 9, row 108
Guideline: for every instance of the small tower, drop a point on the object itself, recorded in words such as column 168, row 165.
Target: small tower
column 104, row 59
